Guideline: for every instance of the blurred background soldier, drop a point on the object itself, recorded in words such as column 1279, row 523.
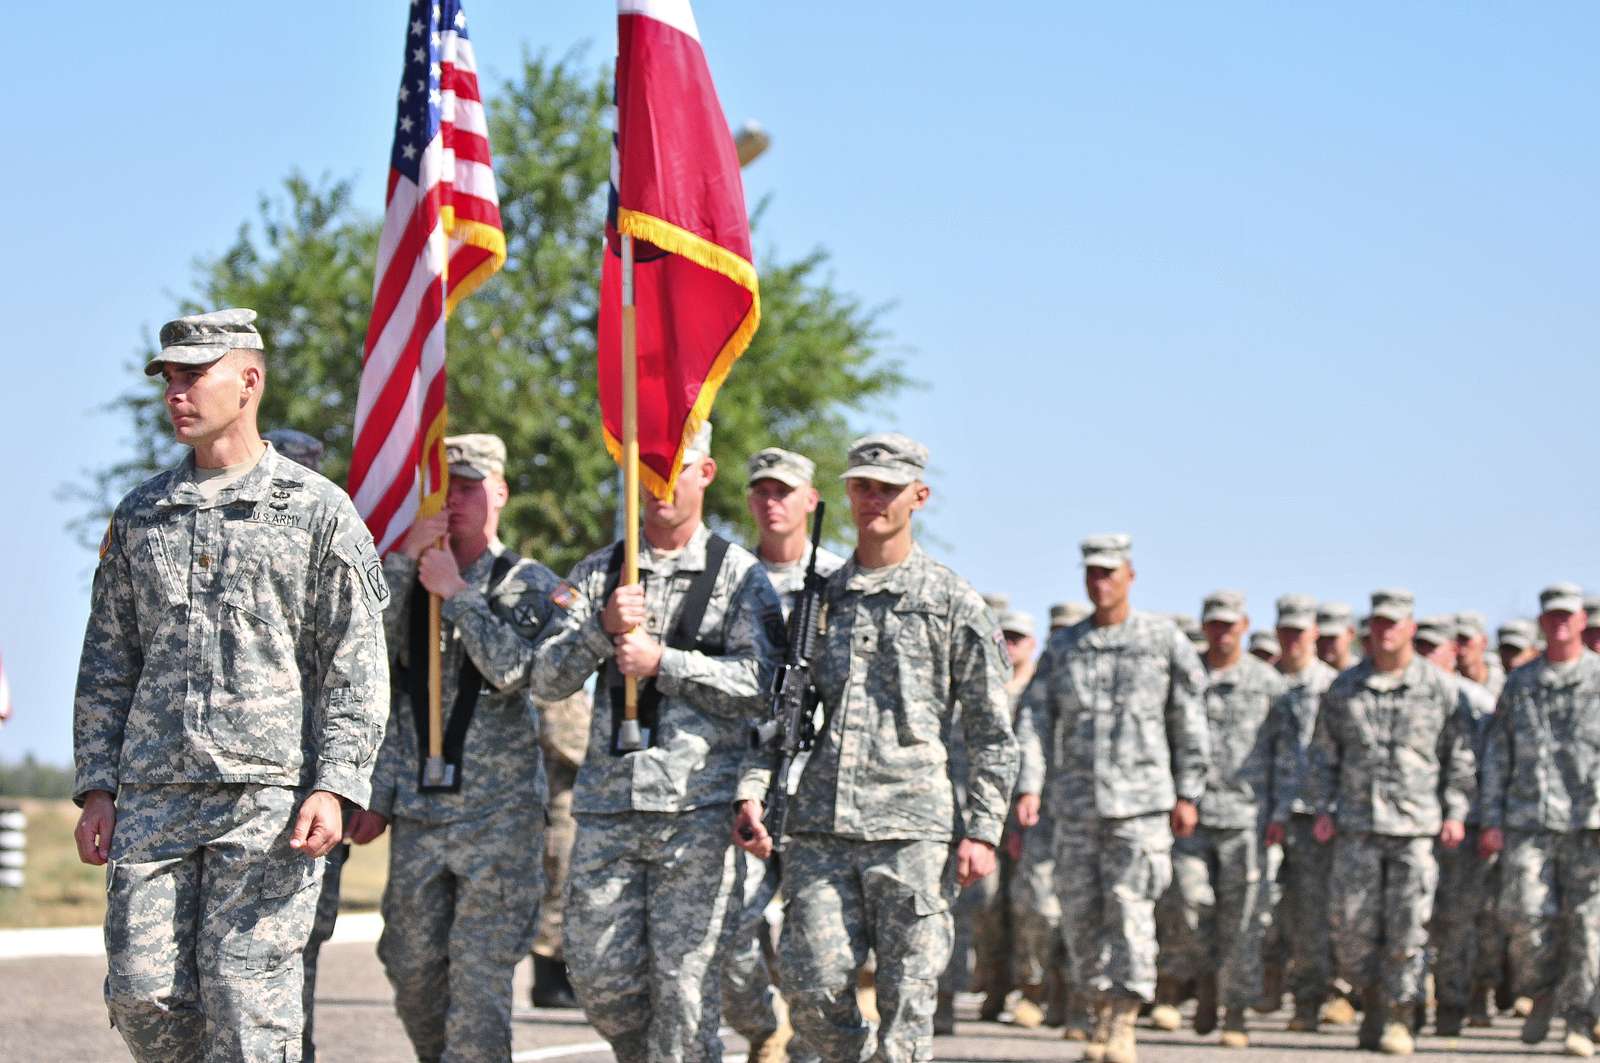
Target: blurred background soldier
column 1541, row 812
column 1065, row 614
column 1591, row 631
column 1473, row 658
column 655, row 888
column 1264, row 647
column 1115, row 712
column 465, row 859
column 563, row 737
column 1337, row 643
column 1517, row 643
column 1191, row 630
column 1392, row 758
column 230, row 697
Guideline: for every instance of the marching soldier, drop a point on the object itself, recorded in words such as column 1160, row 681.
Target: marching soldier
column 878, row 845
column 655, row 886
column 1517, row 644
column 1336, row 635
column 1392, row 757
column 230, row 697
column 1541, row 813
column 1473, row 658
column 1591, row 632
column 1264, row 647
column 465, row 875
column 1065, row 614
column 563, row 738
column 1118, row 699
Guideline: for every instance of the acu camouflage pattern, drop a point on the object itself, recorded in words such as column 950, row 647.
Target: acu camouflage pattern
column 233, row 641
column 1467, row 946
column 1296, row 711
column 1306, row 875
column 1382, row 895
column 563, row 736
column 1239, row 724
column 321, row 930
column 790, row 579
column 207, row 910
column 1109, row 875
column 707, row 702
column 1550, row 902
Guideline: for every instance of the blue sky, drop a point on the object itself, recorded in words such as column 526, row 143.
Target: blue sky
column 1301, row 296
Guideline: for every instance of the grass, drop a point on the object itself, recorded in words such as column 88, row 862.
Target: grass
column 59, row 890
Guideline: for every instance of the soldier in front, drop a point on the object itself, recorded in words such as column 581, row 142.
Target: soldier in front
column 231, row 695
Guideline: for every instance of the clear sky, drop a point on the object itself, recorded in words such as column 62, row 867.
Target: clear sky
column 1303, row 297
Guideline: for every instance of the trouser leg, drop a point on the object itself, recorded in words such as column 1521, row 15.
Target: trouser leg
column 1306, row 906
column 1186, row 914
column 1580, row 889
column 1357, row 897
column 1410, row 879
column 1238, row 928
column 419, row 902
column 1530, row 908
column 908, row 887
column 824, row 943
column 1135, row 867
column 321, row 930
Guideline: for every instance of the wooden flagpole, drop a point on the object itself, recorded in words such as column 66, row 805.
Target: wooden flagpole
column 628, row 735
column 435, row 772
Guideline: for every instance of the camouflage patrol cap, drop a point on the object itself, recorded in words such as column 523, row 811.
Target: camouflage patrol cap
column 999, row 603
column 297, row 446
column 1335, row 618
column 1518, row 634
column 700, row 446
column 1065, row 614
column 1436, row 630
column 1297, row 611
column 1561, row 597
column 1106, row 551
column 1591, row 605
column 1016, row 622
column 1226, row 606
column 784, row 466
column 887, row 457
column 200, row 339
column 476, row 456
column 1393, row 603
column 1470, row 624
column 1265, row 642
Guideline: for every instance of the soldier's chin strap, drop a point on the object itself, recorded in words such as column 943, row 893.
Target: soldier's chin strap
column 468, row 687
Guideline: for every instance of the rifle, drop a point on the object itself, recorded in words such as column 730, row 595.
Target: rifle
column 789, row 729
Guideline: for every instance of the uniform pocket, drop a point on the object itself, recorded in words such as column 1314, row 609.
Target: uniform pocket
column 287, row 908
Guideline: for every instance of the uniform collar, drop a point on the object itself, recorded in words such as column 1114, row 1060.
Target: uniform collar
column 1411, row 675
column 254, row 486
column 898, row 581
column 477, row 573
column 692, row 558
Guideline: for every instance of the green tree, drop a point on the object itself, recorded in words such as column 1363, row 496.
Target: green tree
column 522, row 350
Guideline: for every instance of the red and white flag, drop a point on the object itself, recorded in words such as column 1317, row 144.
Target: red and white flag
column 441, row 239
column 5, row 695
column 676, row 189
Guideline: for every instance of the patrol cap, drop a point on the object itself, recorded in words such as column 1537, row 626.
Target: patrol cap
column 1364, row 627
column 1562, row 597
column 1591, row 605
column 1016, row 622
column 200, row 339
column 1470, row 624
column 887, row 457
column 1518, row 634
column 1190, row 628
column 1065, row 614
column 1393, row 603
column 1265, row 642
column 1335, row 618
column 1106, row 551
column 999, row 603
column 784, row 466
column 700, row 446
column 1226, row 606
column 297, row 446
column 1436, row 630
column 476, row 456
column 1297, row 611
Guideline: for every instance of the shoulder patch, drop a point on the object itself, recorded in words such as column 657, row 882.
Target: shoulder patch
column 105, row 540
column 564, row 595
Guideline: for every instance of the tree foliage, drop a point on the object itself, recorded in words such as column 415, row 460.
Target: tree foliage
column 522, row 350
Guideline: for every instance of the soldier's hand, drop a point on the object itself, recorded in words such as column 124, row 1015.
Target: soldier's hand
column 1012, row 841
column 1185, row 817
column 439, row 573
column 426, row 532
column 638, row 654
column 95, row 827
column 1490, row 842
column 749, row 833
column 1274, row 835
column 1028, row 810
column 974, row 860
column 319, row 826
column 1452, row 833
column 366, row 826
column 1323, row 829
column 625, row 611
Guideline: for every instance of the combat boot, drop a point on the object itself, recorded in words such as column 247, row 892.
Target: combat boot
column 1478, row 1007
column 1372, row 1016
column 1339, row 1011
column 1536, row 1027
column 551, row 987
column 1307, row 1014
column 994, row 1003
column 944, row 1015
column 1169, row 994
column 1447, row 1020
column 1234, row 1034
column 1100, row 1032
column 1056, row 998
column 1122, row 1046
column 1027, row 1013
column 1205, row 1007
column 1397, row 1039
column 1579, row 1042
column 772, row 1048
column 1271, row 998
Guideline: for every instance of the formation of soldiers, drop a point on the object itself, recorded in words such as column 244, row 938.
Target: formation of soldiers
column 1129, row 820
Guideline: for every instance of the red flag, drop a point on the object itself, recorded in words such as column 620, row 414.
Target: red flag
column 675, row 188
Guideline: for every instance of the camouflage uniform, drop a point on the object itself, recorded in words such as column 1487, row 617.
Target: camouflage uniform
column 1541, row 785
column 233, row 661
column 461, row 905
column 563, row 738
column 1121, row 710
column 652, row 896
column 1219, row 870
column 1393, row 757
column 1307, row 865
column 870, row 864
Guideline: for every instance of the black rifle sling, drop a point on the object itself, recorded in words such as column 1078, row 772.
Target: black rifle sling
column 685, row 635
column 468, row 686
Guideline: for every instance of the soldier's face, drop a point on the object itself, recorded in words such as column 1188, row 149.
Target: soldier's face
column 1391, row 636
column 1107, row 587
column 203, row 401
column 1019, row 648
column 1333, row 648
column 1223, row 637
column 1442, row 654
column 882, row 510
column 474, row 505
column 779, row 509
column 1513, row 657
column 1562, row 628
column 1469, row 651
column 1298, row 644
column 1591, row 638
column 687, row 499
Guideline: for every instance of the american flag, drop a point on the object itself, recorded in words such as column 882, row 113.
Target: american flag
column 441, row 239
column 5, row 696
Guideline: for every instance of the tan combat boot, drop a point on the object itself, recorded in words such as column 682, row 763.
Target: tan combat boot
column 1579, row 1042
column 1234, row 1033
column 1100, row 1032
column 1338, row 1011
column 1122, row 1046
column 1169, row 994
column 1397, row 1039
column 774, row 1048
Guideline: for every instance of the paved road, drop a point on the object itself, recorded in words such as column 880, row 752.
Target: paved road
column 52, row 1012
